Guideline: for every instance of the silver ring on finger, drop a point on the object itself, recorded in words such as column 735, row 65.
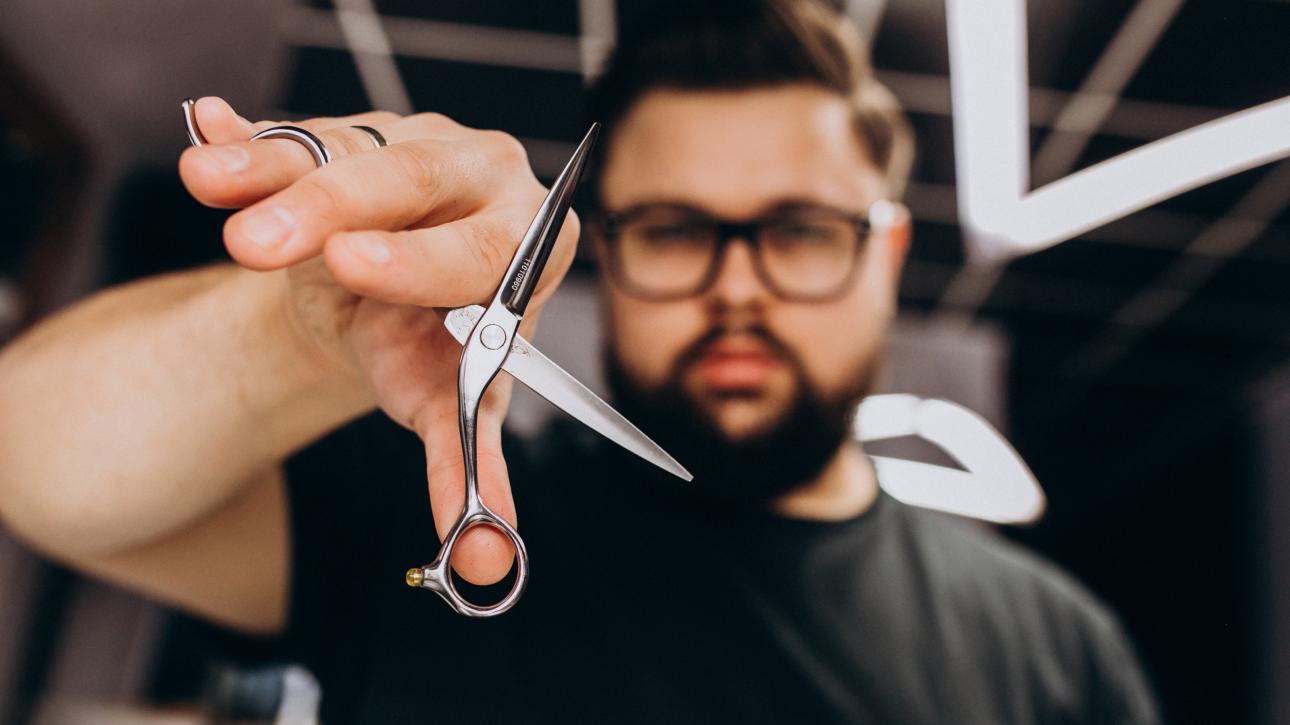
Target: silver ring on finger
column 301, row 136
column 377, row 139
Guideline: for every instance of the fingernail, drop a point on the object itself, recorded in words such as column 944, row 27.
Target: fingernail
column 370, row 247
column 269, row 227
column 232, row 158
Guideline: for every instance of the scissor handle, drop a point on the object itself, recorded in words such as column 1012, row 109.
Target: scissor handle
column 481, row 358
column 437, row 575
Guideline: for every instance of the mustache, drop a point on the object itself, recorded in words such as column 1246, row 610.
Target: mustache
column 695, row 351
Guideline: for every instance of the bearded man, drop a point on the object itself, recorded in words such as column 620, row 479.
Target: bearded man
column 747, row 222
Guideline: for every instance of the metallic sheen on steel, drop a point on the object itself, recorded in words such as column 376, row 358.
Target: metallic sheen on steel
column 479, row 365
column 377, row 139
column 302, row 136
column 529, row 366
column 195, row 136
column 526, row 266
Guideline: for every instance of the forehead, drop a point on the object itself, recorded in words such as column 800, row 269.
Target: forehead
column 738, row 152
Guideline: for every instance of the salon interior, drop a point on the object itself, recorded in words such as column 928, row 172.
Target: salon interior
column 1102, row 377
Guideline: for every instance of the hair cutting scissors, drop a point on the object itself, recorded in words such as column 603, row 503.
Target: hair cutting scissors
column 491, row 342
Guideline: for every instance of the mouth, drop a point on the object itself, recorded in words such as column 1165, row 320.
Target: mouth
column 736, row 365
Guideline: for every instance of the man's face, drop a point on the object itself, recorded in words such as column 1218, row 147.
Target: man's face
column 742, row 356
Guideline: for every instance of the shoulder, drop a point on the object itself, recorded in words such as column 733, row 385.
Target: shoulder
column 975, row 563
column 1027, row 610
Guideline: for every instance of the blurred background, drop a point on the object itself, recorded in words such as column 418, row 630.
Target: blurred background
column 1141, row 370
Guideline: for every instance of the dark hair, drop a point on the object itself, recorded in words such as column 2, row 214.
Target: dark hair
column 745, row 44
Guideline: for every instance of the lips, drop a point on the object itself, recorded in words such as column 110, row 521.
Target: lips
column 736, row 365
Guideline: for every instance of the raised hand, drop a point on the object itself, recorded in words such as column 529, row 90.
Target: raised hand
column 365, row 246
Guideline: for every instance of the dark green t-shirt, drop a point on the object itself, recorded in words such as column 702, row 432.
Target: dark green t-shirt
column 646, row 605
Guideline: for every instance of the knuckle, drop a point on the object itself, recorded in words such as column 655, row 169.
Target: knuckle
column 481, row 241
column 432, row 122
column 491, row 456
column 323, row 197
column 515, row 227
column 316, row 125
column 446, row 462
column 418, row 163
column 348, row 141
column 505, row 148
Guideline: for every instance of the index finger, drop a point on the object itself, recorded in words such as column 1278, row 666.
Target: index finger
column 413, row 183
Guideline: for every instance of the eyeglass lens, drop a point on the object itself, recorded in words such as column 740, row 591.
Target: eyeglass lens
column 674, row 253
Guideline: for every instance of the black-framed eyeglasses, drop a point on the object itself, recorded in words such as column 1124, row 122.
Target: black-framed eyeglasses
column 801, row 252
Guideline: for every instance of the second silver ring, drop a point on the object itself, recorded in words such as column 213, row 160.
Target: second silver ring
column 377, row 139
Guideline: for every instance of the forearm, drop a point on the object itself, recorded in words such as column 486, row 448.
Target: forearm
column 138, row 412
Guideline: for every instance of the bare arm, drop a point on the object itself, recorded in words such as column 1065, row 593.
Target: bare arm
column 148, row 409
column 142, row 432
column 147, row 406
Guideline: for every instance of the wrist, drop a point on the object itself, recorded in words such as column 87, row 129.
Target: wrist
column 317, row 366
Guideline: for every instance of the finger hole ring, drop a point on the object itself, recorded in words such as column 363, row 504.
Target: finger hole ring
column 438, row 576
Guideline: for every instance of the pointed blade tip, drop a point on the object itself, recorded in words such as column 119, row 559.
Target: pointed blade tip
column 588, row 141
column 676, row 469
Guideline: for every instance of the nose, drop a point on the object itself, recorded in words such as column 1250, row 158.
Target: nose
column 737, row 282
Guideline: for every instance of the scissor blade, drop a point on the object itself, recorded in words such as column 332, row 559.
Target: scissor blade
column 526, row 266
column 529, row 366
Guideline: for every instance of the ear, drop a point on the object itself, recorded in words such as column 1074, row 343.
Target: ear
column 896, row 232
column 898, row 246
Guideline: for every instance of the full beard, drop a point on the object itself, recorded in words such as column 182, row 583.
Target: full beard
column 782, row 455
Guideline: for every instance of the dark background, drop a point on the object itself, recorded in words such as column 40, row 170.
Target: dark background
column 1145, row 381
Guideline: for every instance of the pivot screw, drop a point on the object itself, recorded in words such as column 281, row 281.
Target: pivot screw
column 493, row 337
